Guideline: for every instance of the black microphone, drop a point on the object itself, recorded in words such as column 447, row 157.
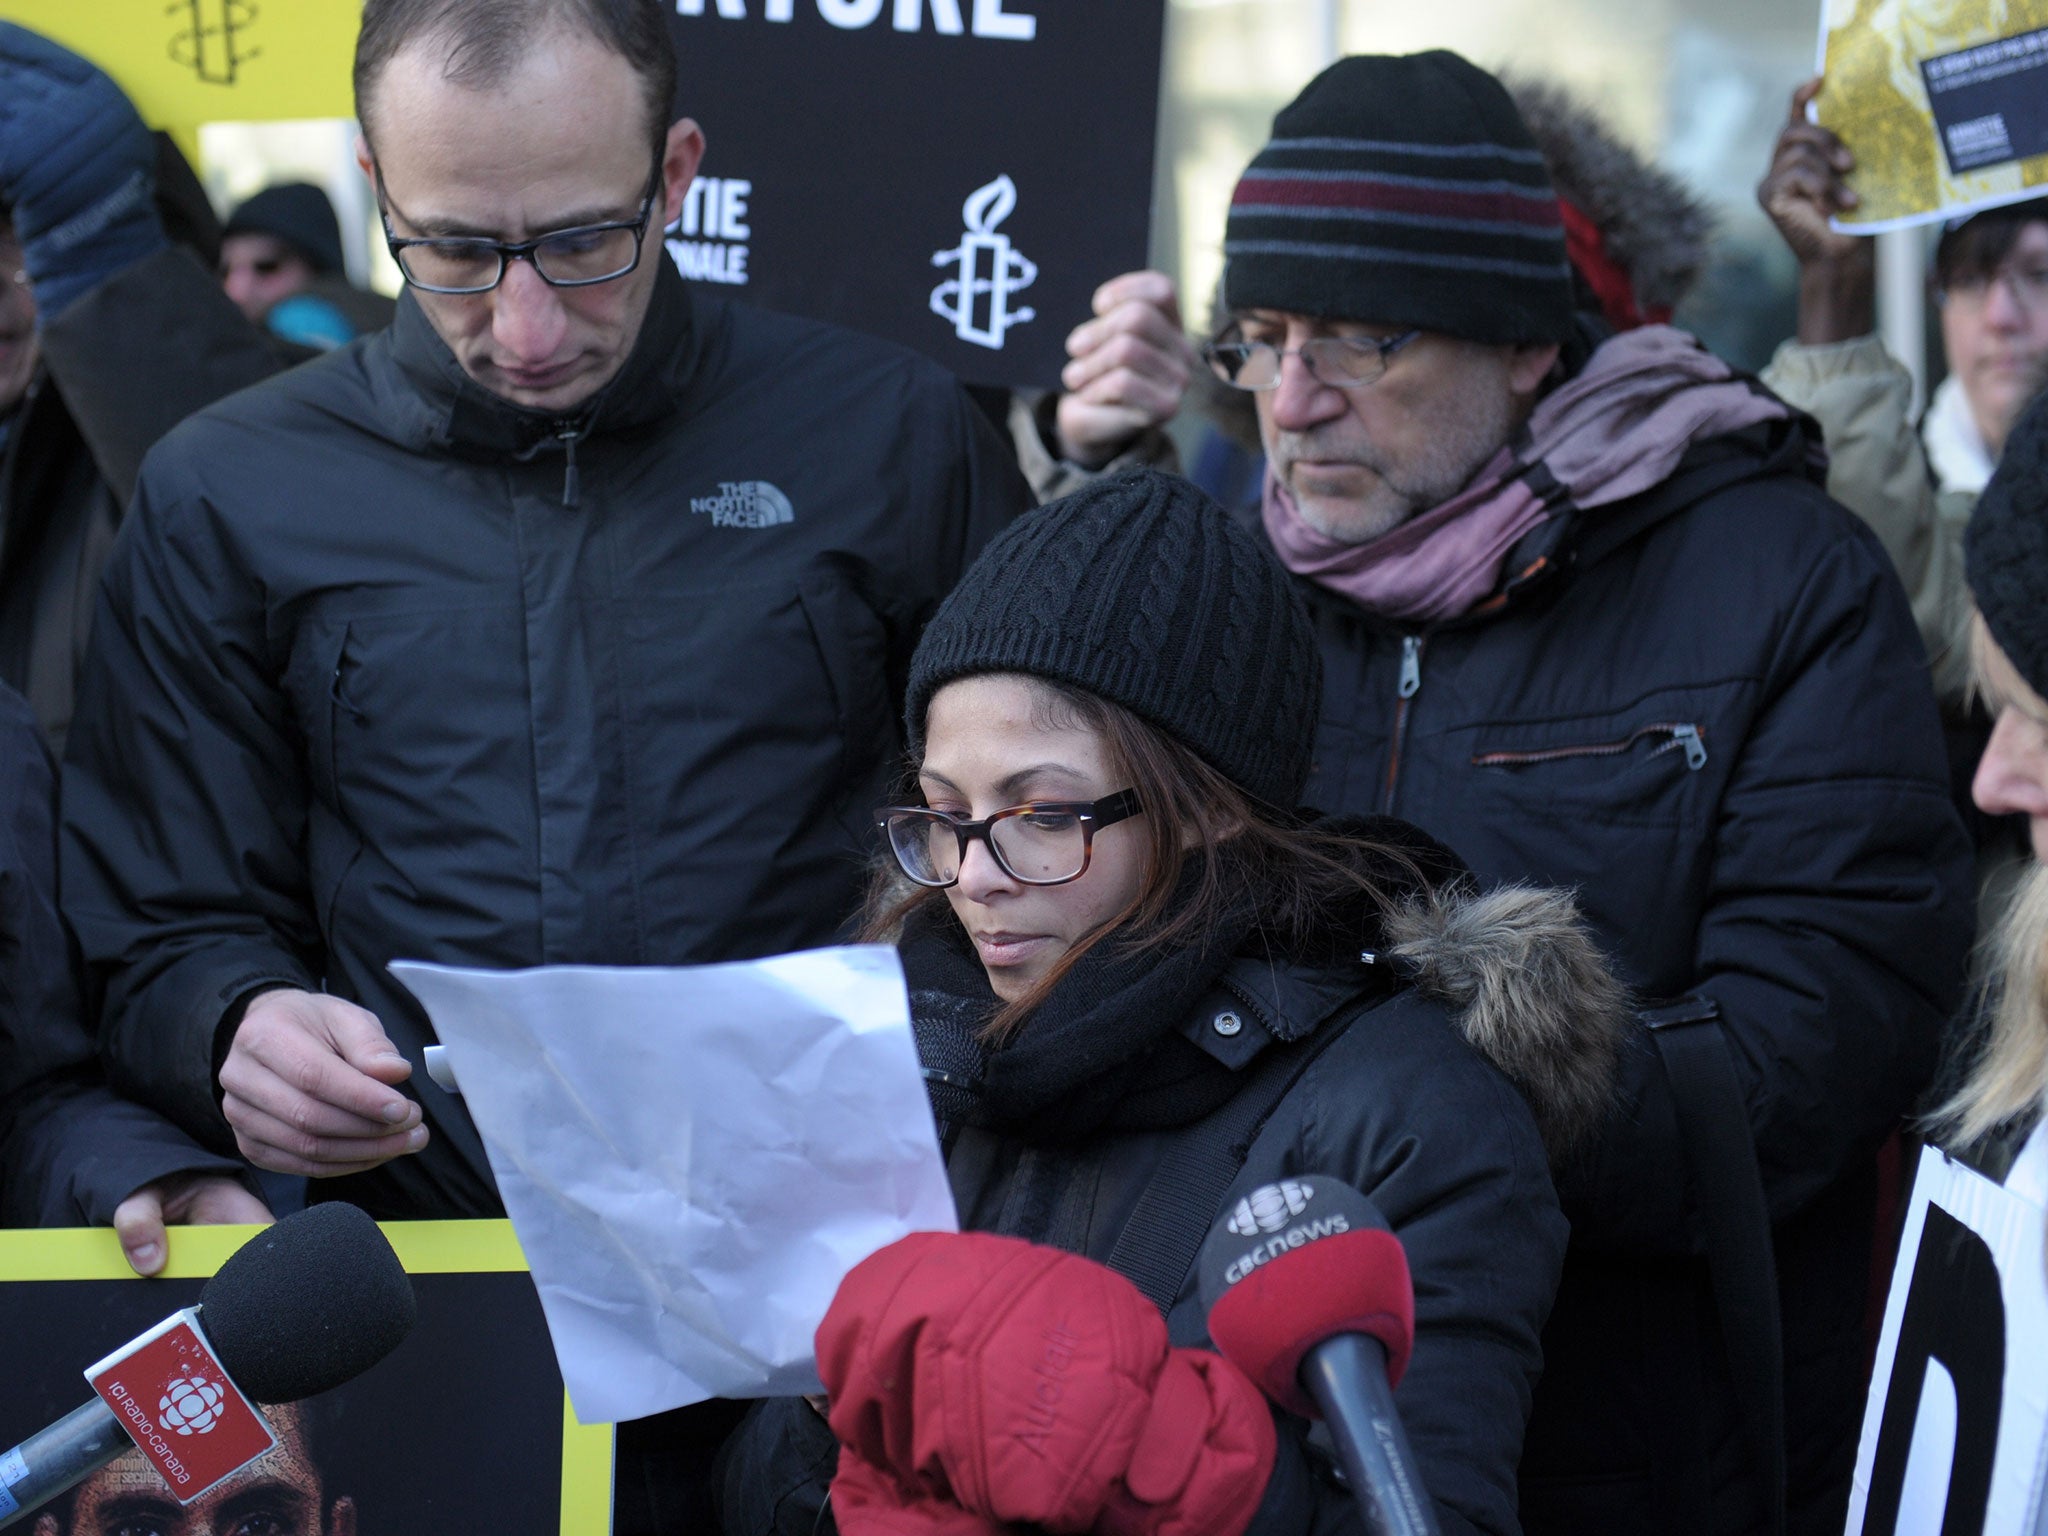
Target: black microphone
column 302, row 1307
column 1308, row 1294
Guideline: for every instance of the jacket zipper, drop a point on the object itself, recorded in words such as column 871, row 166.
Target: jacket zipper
column 569, row 434
column 1409, row 685
column 1688, row 737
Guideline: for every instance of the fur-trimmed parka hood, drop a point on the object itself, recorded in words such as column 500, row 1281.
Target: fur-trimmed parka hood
column 1516, row 967
column 1650, row 224
column 1531, row 992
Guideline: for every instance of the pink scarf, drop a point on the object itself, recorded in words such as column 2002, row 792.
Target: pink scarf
column 1614, row 431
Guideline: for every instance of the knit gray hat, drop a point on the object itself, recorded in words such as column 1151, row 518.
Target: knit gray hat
column 1141, row 590
column 2005, row 548
column 1407, row 191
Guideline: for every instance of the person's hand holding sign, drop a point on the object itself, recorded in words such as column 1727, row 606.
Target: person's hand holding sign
column 308, row 1086
column 181, row 1200
column 1131, row 366
column 1805, row 186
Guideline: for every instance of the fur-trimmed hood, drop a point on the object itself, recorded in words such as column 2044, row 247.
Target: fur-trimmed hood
column 1651, row 225
column 1531, row 991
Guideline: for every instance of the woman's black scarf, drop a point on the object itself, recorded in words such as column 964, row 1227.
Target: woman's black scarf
column 1105, row 1050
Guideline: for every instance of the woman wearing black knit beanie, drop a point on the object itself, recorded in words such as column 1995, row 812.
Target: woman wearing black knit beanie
column 1998, row 1118
column 1148, row 993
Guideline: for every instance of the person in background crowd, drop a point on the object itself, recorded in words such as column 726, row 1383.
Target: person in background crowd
column 1995, row 1116
column 561, row 621
column 281, row 262
column 112, row 330
column 1915, row 490
column 1636, row 236
column 1587, row 615
column 72, row 1152
column 1117, row 933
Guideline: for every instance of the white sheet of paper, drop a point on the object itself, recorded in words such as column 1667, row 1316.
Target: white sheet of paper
column 693, row 1157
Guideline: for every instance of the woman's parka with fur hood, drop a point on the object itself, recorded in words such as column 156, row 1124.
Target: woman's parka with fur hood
column 1450, row 1049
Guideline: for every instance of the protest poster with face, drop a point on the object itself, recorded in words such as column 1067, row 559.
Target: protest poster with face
column 465, row 1426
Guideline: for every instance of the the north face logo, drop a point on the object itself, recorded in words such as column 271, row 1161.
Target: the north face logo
column 1269, row 1208
column 744, row 504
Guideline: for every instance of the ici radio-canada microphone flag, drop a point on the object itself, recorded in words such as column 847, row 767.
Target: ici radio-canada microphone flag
column 180, row 1407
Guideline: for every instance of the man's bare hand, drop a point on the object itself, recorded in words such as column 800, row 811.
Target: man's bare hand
column 1131, row 366
column 181, row 1200
column 308, row 1087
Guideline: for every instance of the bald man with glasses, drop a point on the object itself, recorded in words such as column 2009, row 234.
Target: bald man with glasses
column 561, row 623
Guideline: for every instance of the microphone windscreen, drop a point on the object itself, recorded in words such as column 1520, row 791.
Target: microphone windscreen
column 307, row 1304
column 1298, row 1262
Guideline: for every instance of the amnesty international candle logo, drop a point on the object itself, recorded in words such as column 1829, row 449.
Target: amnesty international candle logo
column 991, row 269
column 212, row 42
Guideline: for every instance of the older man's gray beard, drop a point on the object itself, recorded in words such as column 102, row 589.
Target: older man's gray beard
column 1403, row 491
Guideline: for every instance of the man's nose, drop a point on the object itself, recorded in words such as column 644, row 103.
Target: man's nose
column 2012, row 776
column 1301, row 400
column 527, row 318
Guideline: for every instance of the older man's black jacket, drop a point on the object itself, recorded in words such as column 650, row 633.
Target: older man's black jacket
column 1706, row 712
column 386, row 668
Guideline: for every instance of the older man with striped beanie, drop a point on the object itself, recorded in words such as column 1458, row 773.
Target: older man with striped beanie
column 1588, row 615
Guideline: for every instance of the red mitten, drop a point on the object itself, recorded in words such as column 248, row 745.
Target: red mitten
column 867, row 1501
column 1036, row 1386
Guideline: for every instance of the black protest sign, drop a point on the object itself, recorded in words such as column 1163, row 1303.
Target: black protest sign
column 955, row 175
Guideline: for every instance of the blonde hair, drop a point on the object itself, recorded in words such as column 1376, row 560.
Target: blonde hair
column 2009, row 1078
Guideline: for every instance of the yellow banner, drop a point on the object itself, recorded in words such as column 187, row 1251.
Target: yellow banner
column 1943, row 102
column 186, row 62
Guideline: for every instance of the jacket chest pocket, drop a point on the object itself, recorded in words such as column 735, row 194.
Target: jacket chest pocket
column 1654, row 767
column 414, row 724
column 1686, row 736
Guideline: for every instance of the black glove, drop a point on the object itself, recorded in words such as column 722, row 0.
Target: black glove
column 77, row 169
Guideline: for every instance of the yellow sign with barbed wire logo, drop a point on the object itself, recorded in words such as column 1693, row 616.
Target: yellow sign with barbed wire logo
column 186, row 62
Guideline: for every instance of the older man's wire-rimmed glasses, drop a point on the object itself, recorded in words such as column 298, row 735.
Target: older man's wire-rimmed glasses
column 1044, row 842
column 1344, row 361
column 564, row 258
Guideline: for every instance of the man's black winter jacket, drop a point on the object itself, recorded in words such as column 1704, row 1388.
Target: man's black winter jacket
column 1707, row 713
column 385, row 668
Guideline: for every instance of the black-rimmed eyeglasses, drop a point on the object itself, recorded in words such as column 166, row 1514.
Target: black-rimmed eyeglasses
column 1044, row 842
column 1344, row 361
column 564, row 258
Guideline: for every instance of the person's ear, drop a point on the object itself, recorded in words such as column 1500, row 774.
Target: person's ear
column 1529, row 365
column 682, row 152
column 341, row 1518
column 365, row 160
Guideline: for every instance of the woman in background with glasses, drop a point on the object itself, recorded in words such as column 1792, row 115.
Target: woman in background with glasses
column 1131, row 960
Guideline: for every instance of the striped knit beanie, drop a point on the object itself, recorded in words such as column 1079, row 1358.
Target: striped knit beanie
column 1403, row 191
column 1141, row 590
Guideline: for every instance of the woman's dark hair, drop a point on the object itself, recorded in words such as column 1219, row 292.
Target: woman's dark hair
column 487, row 40
column 1193, row 813
column 1974, row 250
